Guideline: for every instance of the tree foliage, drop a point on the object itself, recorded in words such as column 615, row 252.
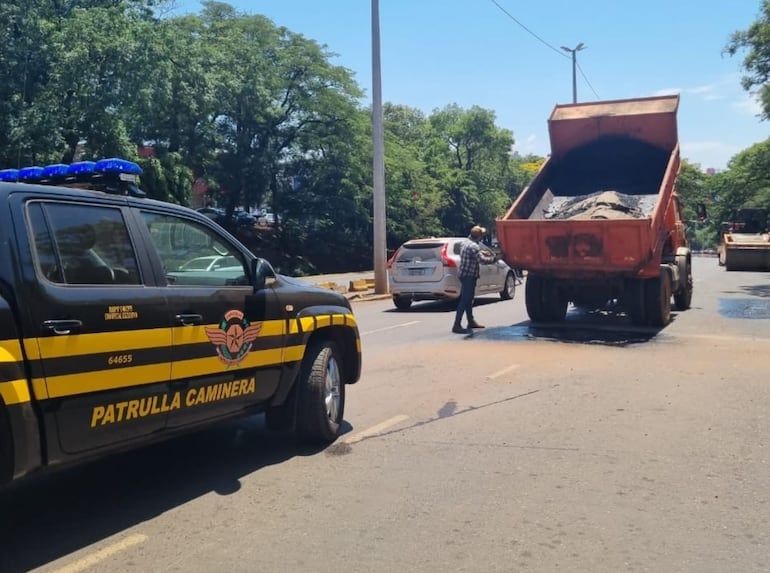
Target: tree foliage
column 756, row 42
column 261, row 114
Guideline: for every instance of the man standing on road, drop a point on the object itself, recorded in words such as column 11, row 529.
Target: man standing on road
column 471, row 255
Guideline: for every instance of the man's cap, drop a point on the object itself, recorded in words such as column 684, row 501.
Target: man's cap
column 477, row 231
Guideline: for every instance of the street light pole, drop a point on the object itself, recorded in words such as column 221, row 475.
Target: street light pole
column 574, row 52
column 378, row 146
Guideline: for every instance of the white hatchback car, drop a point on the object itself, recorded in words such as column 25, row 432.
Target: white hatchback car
column 426, row 269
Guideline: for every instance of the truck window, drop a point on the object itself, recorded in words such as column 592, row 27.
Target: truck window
column 192, row 254
column 82, row 244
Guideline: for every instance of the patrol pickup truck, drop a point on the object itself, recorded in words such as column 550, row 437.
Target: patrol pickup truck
column 109, row 338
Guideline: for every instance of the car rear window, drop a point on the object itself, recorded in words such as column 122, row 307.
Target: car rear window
column 426, row 252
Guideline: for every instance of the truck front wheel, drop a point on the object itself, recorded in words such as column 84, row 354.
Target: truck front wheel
column 320, row 394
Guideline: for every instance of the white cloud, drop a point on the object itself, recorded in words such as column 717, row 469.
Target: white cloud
column 708, row 92
column 749, row 104
column 706, row 89
column 708, row 153
column 695, row 146
column 531, row 144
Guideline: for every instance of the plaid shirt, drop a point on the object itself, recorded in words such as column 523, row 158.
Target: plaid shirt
column 471, row 255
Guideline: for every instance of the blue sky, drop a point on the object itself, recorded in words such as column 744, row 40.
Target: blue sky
column 469, row 52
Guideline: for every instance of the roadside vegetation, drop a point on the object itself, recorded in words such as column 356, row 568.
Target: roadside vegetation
column 258, row 115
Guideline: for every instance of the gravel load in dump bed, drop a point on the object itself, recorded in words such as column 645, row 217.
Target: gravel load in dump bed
column 601, row 205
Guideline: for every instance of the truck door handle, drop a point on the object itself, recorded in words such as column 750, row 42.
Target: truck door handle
column 62, row 326
column 189, row 319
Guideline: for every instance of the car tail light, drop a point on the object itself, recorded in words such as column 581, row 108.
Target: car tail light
column 445, row 259
column 393, row 258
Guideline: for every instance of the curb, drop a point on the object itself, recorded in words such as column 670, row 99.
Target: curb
column 367, row 296
column 358, row 289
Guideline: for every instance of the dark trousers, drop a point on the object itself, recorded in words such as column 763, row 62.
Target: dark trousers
column 465, row 304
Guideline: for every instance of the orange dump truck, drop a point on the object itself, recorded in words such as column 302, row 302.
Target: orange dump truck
column 601, row 224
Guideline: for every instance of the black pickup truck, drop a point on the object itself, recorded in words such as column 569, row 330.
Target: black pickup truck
column 125, row 320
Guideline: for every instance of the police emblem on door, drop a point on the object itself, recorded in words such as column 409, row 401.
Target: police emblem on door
column 233, row 337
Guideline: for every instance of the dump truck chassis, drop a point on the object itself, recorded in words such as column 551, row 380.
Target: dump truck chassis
column 647, row 301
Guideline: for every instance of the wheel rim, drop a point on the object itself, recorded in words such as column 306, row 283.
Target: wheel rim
column 332, row 385
column 509, row 285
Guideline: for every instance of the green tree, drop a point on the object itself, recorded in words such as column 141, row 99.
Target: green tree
column 696, row 188
column 327, row 204
column 756, row 41
column 470, row 156
column 269, row 87
column 167, row 178
column 523, row 169
column 414, row 201
column 746, row 183
column 66, row 67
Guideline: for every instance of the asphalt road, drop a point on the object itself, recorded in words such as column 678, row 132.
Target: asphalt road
column 588, row 446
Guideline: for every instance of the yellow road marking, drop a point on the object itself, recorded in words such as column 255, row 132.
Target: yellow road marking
column 98, row 556
column 374, row 430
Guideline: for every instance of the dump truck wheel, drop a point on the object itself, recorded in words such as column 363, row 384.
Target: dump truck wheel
column 543, row 300
column 533, row 299
column 634, row 300
column 402, row 302
column 683, row 296
column 658, row 300
column 556, row 305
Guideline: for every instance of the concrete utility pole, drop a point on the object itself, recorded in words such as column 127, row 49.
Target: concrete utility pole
column 574, row 52
column 378, row 145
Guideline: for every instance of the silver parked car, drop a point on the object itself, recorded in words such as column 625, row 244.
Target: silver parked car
column 426, row 269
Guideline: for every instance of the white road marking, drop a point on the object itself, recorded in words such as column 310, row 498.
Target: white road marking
column 98, row 556
column 374, row 430
column 503, row 371
column 717, row 337
column 402, row 325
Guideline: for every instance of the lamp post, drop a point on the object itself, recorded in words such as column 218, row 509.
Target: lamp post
column 378, row 147
column 574, row 51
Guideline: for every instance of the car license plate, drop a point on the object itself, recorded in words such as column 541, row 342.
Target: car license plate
column 415, row 272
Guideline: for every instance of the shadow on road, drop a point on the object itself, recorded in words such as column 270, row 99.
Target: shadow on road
column 757, row 290
column 605, row 327
column 443, row 305
column 46, row 517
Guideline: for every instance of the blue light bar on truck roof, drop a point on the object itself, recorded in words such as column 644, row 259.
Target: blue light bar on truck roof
column 9, row 175
column 115, row 165
column 112, row 175
column 55, row 170
column 82, row 168
column 28, row 173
